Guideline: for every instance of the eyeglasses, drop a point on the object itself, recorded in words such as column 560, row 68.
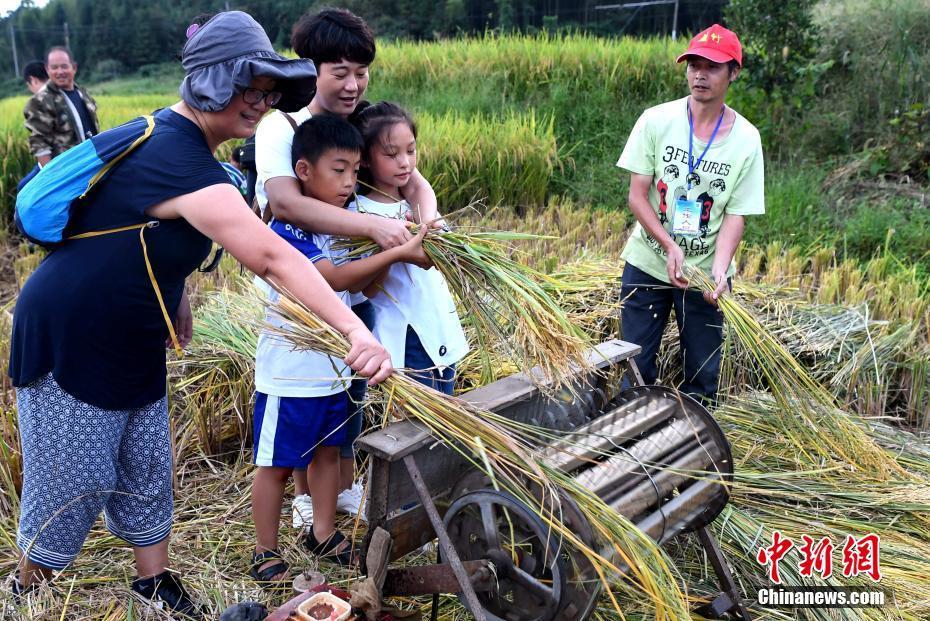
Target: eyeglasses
column 252, row 96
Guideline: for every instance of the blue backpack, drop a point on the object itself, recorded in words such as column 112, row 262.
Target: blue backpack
column 46, row 203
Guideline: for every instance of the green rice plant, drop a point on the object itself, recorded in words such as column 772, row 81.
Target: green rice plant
column 593, row 89
column 522, row 67
column 506, row 160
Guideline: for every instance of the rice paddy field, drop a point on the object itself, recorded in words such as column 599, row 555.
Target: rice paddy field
column 826, row 374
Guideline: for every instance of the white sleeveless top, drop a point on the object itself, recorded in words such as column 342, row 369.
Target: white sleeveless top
column 421, row 300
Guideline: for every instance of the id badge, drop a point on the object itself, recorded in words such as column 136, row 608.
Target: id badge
column 686, row 220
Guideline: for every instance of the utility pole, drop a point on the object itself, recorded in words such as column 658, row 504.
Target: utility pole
column 13, row 41
column 675, row 23
column 67, row 37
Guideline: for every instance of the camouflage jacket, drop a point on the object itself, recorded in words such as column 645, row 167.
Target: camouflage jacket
column 50, row 120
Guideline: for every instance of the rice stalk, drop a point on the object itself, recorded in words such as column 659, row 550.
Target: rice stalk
column 506, row 302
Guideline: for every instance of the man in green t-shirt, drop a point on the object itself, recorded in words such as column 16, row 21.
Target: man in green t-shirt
column 697, row 170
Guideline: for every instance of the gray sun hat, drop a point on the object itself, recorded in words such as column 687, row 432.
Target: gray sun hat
column 221, row 57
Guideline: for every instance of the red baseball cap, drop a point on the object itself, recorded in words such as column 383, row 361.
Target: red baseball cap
column 716, row 44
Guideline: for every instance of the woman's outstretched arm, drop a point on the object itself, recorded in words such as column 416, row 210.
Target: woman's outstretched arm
column 220, row 213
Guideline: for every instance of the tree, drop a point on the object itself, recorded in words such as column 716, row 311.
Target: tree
column 779, row 40
column 505, row 15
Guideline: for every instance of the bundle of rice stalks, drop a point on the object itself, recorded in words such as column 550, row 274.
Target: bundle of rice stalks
column 588, row 291
column 508, row 452
column 816, row 431
column 215, row 380
column 506, row 302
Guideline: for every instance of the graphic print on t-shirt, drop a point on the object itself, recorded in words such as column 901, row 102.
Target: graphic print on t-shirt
column 717, row 187
column 681, row 192
column 669, row 175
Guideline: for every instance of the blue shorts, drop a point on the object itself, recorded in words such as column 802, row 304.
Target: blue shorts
column 286, row 430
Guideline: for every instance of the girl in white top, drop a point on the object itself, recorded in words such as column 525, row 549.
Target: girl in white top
column 415, row 316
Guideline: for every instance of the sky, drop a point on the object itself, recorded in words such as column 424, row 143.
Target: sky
column 8, row 5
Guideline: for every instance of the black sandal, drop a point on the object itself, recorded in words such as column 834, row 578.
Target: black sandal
column 328, row 550
column 18, row 590
column 265, row 576
column 166, row 593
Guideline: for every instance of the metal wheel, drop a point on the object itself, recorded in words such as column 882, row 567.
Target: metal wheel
column 493, row 525
column 582, row 584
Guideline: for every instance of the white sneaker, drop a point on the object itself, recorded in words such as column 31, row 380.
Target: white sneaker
column 352, row 500
column 302, row 511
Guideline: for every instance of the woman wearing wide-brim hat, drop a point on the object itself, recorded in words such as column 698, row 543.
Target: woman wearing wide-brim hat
column 88, row 346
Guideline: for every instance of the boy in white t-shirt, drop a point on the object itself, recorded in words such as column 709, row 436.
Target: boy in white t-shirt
column 301, row 403
column 716, row 156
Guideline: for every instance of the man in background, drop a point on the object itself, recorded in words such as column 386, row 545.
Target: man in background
column 35, row 77
column 61, row 114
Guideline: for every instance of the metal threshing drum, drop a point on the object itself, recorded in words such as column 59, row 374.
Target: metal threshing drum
column 655, row 456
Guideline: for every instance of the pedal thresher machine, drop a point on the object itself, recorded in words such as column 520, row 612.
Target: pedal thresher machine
column 633, row 448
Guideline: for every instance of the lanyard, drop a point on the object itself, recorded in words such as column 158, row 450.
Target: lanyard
column 692, row 168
